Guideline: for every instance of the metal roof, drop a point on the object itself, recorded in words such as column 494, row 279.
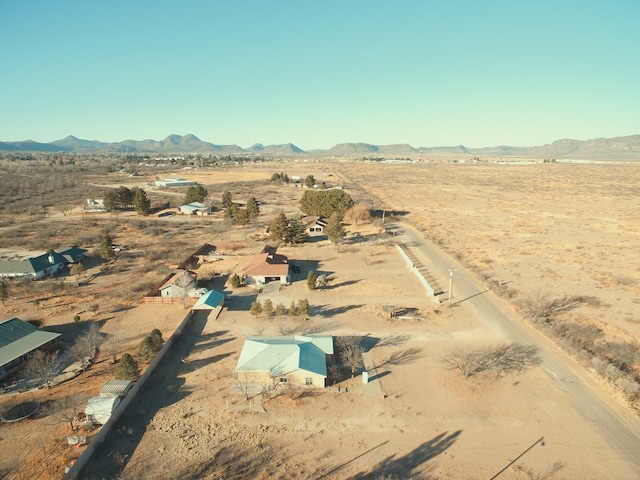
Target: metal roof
column 17, row 338
column 282, row 355
column 209, row 301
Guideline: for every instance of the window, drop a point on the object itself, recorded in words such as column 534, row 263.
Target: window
column 282, row 379
column 308, row 381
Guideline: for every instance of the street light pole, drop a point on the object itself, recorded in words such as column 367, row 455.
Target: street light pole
column 451, row 283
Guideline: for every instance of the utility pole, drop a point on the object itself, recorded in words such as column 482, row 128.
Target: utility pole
column 451, row 283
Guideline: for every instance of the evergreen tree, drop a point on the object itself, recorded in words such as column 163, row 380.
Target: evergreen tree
column 296, row 232
column 292, row 308
column 105, row 250
column 303, row 307
column 278, row 228
column 335, row 230
column 235, row 281
column 280, row 310
column 256, row 308
column 252, row 208
column 267, row 307
column 141, row 202
column 195, row 193
column 127, row 368
column 309, row 181
column 311, row 280
column 226, row 200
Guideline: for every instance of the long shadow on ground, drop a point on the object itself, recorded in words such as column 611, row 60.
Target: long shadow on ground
column 163, row 388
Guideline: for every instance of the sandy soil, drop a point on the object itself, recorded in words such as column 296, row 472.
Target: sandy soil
column 569, row 229
column 432, row 423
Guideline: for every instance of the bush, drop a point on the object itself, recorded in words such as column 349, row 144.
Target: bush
column 235, row 281
column 151, row 345
column 127, row 368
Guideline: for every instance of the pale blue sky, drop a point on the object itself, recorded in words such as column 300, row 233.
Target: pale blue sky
column 427, row 73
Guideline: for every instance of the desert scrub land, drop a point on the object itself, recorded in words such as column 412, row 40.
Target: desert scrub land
column 557, row 241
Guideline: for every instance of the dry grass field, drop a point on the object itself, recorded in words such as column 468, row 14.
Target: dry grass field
column 561, row 229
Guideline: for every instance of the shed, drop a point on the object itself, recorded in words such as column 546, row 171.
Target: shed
column 99, row 409
column 115, row 388
column 209, row 301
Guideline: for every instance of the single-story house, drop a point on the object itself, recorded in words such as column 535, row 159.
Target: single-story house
column 267, row 267
column 314, row 224
column 209, row 301
column 39, row 266
column 195, row 208
column 175, row 182
column 178, row 284
column 296, row 359
column 18, row 339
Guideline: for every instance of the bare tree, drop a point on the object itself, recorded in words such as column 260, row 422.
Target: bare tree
column 43, row 366
column 497, row 360
column 114, row 345
column 244, row 387
column 82, row 350
column 260, row 327
column 65, row 409
column 351, row 356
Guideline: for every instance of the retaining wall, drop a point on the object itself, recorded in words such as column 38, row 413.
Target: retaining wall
column 416, row 269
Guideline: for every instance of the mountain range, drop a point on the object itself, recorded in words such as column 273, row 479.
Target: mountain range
column 627, row 147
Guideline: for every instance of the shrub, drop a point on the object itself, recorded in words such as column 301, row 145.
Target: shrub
column 151, row 345
column 127, row 368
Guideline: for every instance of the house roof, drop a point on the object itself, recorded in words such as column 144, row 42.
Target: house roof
column 282, row 355
column 209, row 301
column 267, row 265
column 195, row 205
column 17, row 338
column 173, row 278
column 33, row 265
column 72, row 254
column 311, row 220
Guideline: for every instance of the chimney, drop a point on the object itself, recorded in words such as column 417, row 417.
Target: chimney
column 52, row 261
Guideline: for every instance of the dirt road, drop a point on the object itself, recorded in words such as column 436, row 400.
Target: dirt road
column 619, row 429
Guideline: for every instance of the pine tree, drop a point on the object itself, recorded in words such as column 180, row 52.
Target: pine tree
column 127, row 368
column 141, row 202
column 256, row 308
column 335, row 230
column 303, row 307
column 253, row 209
column 195, row 193
column 226, row 200
column 267, row 307
column 106, row 251
column 278, row 227
column 296, row 232
column 311, row 280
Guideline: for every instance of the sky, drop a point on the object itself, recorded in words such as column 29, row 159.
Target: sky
column 318, row 73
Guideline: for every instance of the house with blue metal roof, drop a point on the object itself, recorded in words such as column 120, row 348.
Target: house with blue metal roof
column 296, row 359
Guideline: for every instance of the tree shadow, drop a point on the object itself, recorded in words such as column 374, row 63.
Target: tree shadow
column 311, row 328
column 346, row 283
column 411, row 465
column 402, row 357
column 164, row 387
column 326, row 311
